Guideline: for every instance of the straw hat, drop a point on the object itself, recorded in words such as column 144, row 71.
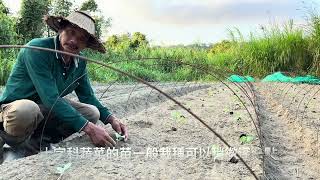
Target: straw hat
column 79, row 19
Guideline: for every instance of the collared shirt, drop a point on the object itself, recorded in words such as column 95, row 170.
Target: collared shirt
column 40, row 76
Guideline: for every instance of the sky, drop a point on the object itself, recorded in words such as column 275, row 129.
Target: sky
column 172, row 22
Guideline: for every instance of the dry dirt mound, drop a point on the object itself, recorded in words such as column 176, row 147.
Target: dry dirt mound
column 290, row 125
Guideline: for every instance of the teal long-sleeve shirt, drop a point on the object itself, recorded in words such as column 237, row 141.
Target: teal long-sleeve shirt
column 40, row 76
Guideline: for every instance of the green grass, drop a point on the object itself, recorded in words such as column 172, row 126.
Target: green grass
column 7, row 59
column 277, row 48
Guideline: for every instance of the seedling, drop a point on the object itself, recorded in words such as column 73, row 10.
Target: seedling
column 178, row 117
column 210, row 93
column 119, row 137
column 246, row 138
column 61, row 170
column 238, row 115
column 216, row 151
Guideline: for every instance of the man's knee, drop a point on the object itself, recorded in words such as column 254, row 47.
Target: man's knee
column 88, row 111
column 92, row 113
column 21, row 117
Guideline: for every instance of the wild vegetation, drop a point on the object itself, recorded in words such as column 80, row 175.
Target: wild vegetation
column 278, row 48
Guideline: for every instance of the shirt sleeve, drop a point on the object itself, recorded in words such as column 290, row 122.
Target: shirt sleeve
column 86, row 95
column 38, row 66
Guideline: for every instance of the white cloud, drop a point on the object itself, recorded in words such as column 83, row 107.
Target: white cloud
column 187, row 20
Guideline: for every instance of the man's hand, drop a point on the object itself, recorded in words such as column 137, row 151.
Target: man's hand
column 118, row 127
column 98, row 135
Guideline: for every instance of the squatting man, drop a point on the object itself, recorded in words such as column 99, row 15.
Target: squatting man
column 34, row 110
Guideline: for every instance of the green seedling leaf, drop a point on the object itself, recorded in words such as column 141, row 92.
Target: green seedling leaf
column 238, row 115
column 210, row 93
column 119, row 137
column 63, row 168
column 216, row 151
column 246, row 139
column 178, row 117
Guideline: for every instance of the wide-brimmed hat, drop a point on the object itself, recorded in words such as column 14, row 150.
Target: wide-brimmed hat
column 79, row 19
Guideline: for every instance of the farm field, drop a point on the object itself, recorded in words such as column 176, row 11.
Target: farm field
column 166, row 142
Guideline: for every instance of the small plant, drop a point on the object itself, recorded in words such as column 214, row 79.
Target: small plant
column 210, row 93
column 177, row 116
column 61, row 170
column 244, row 138
column 238, row 116
column 119, row 137
column 216, row 151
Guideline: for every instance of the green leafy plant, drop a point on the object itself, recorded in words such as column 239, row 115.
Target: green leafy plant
column 210, row 92
column 119, row 137
column 62, row 169
column 244, row 139
column 216, row 151
column 177, row 116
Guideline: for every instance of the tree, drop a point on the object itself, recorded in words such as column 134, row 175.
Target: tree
column 30, row 24
column 101, row 24
column 138, row 39
column 89, row 5
column 7, row 26
column 100, row 21
column 221, row 47
column 126, row 41
column 61, row 7
column 3, row 8
column 112, row 41
column 7, row 36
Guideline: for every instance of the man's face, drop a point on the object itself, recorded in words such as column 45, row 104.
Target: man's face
column 73, row 39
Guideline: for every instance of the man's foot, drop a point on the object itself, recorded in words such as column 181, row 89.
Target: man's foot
column 1, row 149
column 18, row 144
column 25, row 146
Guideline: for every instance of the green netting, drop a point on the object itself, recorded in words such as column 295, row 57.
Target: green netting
column 240, row 79
column 279, row 77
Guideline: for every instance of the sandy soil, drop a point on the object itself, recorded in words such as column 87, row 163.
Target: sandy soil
column 290, row 124
column 168, row 143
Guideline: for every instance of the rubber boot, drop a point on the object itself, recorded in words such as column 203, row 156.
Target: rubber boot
column 1, row 149
column 24, row 146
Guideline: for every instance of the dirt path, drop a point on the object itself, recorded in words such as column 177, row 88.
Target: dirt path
column 293, row 143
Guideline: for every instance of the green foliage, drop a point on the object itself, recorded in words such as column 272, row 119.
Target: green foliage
column 113, row 41
column 119, row 137
column 6, row 63
column 30, row 24
column 63, row 168
column 138, row 39
column 126, row 41
column 244, row 139
column 178, row 117
column 7, row 36
column 276, row 48
column 61, row 7
column 314, row 42
column 7, row 29
column 3, row 8
column 89, row 5
column 279, row 49
column 221, row 47
column 101, row 23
